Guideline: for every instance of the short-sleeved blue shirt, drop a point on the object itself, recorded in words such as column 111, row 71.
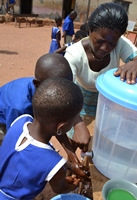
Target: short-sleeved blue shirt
column 68, row 26
column 12, row 1
column 26, row 167
column 16, row 99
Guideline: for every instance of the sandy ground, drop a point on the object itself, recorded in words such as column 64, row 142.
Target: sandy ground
column 19, row 50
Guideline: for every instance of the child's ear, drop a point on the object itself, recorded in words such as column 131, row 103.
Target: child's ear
column 36, row 83
column 61, row 125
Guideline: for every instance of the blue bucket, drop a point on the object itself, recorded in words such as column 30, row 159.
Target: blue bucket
column 69, row 196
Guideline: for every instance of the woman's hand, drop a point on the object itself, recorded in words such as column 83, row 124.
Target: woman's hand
column 128, row 72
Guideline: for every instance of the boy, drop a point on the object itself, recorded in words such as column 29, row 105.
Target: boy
column 78, row 36
column 16, row 99
column 68, row 27
column 28, row 160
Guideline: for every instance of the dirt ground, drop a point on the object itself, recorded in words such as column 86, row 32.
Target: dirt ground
column 19, row 50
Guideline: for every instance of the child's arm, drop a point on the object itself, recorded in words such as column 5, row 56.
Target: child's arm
column 64, row 34
column 60, row 50
column 76, row 166
column 51, row 32
column 58, row 35
column 62, row 184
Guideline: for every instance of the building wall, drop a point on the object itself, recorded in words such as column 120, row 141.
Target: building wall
column 49, row 8
column 132, row 14
column 81, row 7
column 85, row 7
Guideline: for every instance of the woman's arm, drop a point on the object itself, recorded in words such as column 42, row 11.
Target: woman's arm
column 60, row 50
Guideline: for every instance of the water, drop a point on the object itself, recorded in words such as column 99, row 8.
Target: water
column 114, row 158
column 120, row 194
column 115, row 140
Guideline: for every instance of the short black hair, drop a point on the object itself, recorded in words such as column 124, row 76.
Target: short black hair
column 85, row 27
column 57, row 99
column 52, row 65
column 73, row 14
column 58, row 18
column 80, row 34
column 108, row 15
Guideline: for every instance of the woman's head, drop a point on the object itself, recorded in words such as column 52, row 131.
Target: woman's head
column 108, row 15
column 107, row 23
column 57, row 100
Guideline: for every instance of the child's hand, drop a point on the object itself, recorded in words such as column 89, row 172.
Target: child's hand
column 73, row 180
column 78, row 169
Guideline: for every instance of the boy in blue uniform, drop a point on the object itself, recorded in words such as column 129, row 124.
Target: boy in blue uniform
column 78, row 36
column 16, row 99
column 68, row 27
column 16, row 96
column 28, row 160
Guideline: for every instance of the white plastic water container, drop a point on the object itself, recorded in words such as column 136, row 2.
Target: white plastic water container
column 115, row 134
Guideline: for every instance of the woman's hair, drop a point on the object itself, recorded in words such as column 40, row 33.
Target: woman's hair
column 108, row 15
column 57, row 99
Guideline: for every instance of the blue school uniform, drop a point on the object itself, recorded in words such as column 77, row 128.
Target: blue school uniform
column 25, row 168
column 16, row 99
column 12, row 1
column 54, row 44
column 68, row 26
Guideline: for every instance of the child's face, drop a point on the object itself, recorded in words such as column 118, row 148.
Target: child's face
column 59, row 23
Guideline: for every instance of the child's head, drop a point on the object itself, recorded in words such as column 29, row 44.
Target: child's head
column 79, row 35
column 73, row 15
column 58, row 20
column 85, row 27
column 57, row 100
column 51, row 65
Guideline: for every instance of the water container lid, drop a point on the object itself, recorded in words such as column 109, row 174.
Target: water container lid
column 117, row 91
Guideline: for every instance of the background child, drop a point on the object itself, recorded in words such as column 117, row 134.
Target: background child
column 10, row 5
column 28, row 161
column 78, row 36
column 85, row 27
column 56, row 35
column 68, row 27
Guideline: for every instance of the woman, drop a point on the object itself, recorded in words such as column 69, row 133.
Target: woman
column 101, row 51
